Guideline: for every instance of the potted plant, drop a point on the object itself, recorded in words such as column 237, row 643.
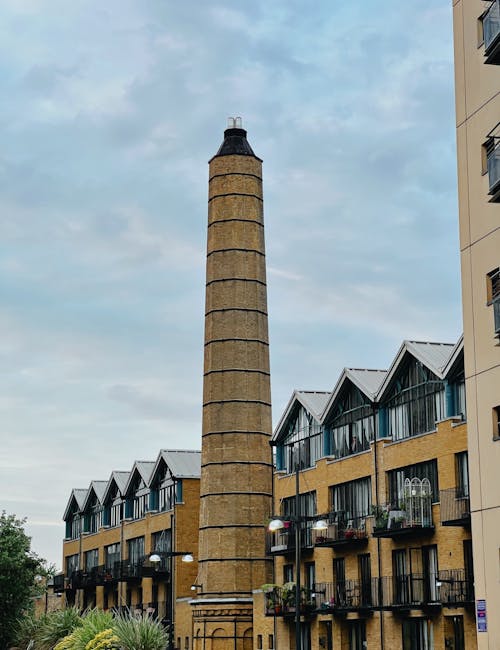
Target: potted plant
column 271, row 596
column 381, row 515
column 288, row 595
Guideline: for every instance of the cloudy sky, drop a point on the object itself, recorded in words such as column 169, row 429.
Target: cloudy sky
column 109, row 114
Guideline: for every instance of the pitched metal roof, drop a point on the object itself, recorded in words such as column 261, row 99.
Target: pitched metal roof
column 456, row 352
column 433, row 355
column 144, row 468
column 183, row 463
column 99, row 489
column 78, row 495
column 368, row 381
column 120, row 479
column 312, row 400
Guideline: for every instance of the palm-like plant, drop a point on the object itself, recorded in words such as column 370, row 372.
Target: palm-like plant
column 140, row 633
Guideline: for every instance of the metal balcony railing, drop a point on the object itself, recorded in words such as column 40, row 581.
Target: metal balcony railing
column 347, row 595
column 282, row 542
column 491, row 32
column 456, row 587
column 394, row 522
column 455, row 507
column 496, row 315
column 343, row 531
column 59, row 582
column 493, row 164
column 413, row 590
column 280, row 600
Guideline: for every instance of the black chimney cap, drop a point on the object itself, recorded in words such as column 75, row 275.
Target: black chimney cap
column 235, row 140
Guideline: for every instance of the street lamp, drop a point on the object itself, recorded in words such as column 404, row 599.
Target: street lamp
column 277, row 524
column 156, row 558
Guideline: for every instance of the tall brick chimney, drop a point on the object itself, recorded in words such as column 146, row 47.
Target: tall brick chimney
column 236, row 472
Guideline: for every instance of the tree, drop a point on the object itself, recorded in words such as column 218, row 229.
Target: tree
column 18, row 568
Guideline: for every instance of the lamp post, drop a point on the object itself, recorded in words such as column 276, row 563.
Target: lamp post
column 156, row 558
column 298, row 520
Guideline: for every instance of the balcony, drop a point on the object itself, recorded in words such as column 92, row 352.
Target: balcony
column 280, row 600
column 404, row 522
column 131, row 571
column 282, row 541
column 402, row 593
column 59, row 582
column 342, row 597
column 493, row 163
column 342, row 532
column 491, row 32
column 496, row 315
column 455, row 507
column 456, row 588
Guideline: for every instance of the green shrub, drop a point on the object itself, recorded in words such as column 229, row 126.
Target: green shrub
column 55, row 626
column 93, row 622
column 141, row 633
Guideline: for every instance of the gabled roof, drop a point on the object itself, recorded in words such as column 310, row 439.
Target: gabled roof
column 432, row 355
column 98, row 488
column 368, row 382
column 78, row 495
column 454, row 356
column 182, row 463
column 120, row 480
column 144, row 468
column 313, row 401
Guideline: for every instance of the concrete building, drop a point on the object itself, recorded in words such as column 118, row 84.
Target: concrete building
column 382, row 462
column 477, row 83
column 236, row 469
column 114, row 527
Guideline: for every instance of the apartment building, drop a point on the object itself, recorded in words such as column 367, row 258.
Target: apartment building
column 477, row 84
column 126, row 538
column 371, row 512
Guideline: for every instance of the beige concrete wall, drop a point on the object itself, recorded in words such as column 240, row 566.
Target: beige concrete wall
column 477, row 88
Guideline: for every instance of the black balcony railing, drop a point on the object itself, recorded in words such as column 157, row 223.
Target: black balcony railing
column 456, row 587
column 493, row 164
column 280, row 600
column 131, row 571
column 347, row 596
column 413, row 521
column 410, row 591
column 282, row 542
column 496, row 315
column 59, row 582
column 343, row 531
column 455, row 507
column 491, row 32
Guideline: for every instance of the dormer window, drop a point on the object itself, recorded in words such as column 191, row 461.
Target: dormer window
column 417, row 402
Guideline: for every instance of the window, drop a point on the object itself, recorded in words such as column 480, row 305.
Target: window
column 491, row 32
column 271, row 642
column 135, row 550
column 493, row 297
column 365, row 579
column 111, row 555
column 72, row 564
column 259, row 641
column 73, row 526
column 353, row 499
column 397, row 478
column 307, row 505
column 287, row 573
column 310, row 576
column 417, row 634
column 496, row 423
column 162, row 541
column 357, row 635
column 417, row 402
column 91, row 559
column 302, row 445
column 492, row 146
column 352, row 427
column 462, row 474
